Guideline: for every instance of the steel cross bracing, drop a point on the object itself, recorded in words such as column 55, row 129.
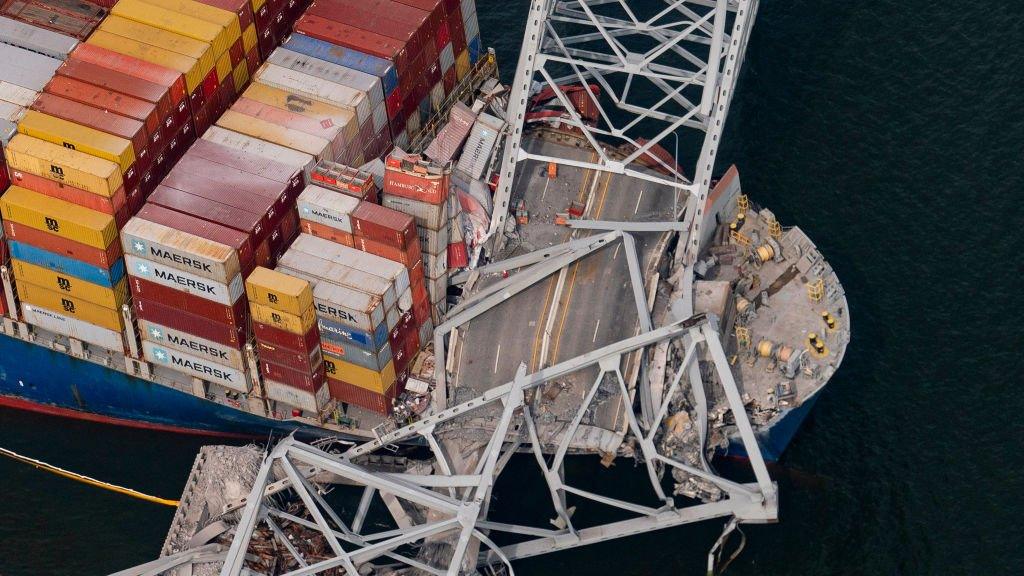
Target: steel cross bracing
column 688, row 52
column 455, row 504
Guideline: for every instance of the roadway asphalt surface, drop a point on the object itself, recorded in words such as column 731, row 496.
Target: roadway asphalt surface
column 594, row 305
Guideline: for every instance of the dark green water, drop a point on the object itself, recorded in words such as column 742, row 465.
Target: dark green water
column 891, row 132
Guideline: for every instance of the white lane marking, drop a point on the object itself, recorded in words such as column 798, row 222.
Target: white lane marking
column 546, row 182
column 616, row 253
column 594, row 339
column 638, row 199
column 496, row 356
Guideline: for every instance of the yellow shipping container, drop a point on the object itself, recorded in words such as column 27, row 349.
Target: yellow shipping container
column 71, row 286
column 295, row 324
column 219, row 16
column 249, row 38
column 70, row 306
column 287, row 137
column 279, row 291
column 78, row 137
column 379, row 382
column 302, row 104
column 241, row 75
column 223, row 67
column 178, row 62
column 168, row 40
column 462, row 64
column 71, row 167
column 213, row 34
column 58, row 217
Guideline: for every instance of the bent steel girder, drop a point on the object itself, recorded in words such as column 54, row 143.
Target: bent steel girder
column 685, row 52
column 455, row 505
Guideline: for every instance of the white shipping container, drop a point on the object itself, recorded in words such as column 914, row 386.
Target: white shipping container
column 447, row 58
column 316, row 88
column 437, row 96
column 17, row 94
column 482, row 139
column 314, row 270
column 468, row 7
column 319, row 148
column 10, row 111
column 297, row 398
column 286, row 156
column 179, row 250
column 393, row 316
column 471, row 25
column 413, row 123
column 435, row 265
column 375, row 361
column 8, row 130
column 433, row 241
column 402, row 140
column 190, row 344
column 366, row 83
column 426, row 215
column 380, row 117
column 194, row 366
column 347, row 306
column 437, row 288
column 426, row 332
column 391, row 271
column 405, row 300
column 36, row 39
column 72, row 327
column 327, row 207
column 26, row 69
column 219, row 292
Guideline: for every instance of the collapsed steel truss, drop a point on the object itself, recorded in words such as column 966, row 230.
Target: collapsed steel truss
column 689, row 53
column 455, row 505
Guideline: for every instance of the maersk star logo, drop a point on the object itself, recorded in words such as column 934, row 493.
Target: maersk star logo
column 142, row 269
column 139, row 247
column 156, row 334
column 160, row 355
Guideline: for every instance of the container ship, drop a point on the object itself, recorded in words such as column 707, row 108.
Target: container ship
column 237, row 217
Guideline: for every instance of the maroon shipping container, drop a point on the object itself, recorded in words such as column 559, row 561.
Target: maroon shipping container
column 275, row 194
column 435, row 19
column 111, row 101
column 308, row 381
column 204, row 229
column 420, row 301
column 296, row 360
column 324, row 22
column 236, row 316
column 185, row 321
column 304, row 343
column 241, row 8
column 124, row 84
column 364, row 16
column 102, row 120
column 352, row 394
column 261, row 208
column 291, row 177
column 172, row 80
column 457, row 31
column 252, row 59
column 52, row 243
column 76, row 19
column 383, row 225
column 211, row 211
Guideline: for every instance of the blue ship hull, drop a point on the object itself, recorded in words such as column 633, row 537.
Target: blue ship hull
column 39, row 379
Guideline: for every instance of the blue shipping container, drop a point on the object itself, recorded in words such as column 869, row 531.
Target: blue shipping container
column 344, row 57
column 362, row 338
column 351, row 352
column 70, row 266
column 475, row 49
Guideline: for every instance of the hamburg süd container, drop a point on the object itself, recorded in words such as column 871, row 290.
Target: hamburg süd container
column 294, row 359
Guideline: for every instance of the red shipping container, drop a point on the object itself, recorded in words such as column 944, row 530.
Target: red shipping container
column 236, row 52
column 449, row 80
column 420, row 304
column 308, row 381
column 185, row 321
column 110, row 101
column 351, row 394
column 210, row 85
column 327, row 233
column 252, row 60
column 444, row 36
column 172, row 80
column 102, row 120
column 378, row 22
column 277, row 198
column 49, row 242
column 415, row 187
column 205, row 116
column 289, row 227
column 241, row 8
column 304, row 343
column 385, row 225
column 236, row 316
column 409, row 255
column 54, row 189
column 294, row 359
column 293, row 179
column 125, row 84
column 320, row 22
column 204, row 229
column 211, row 211
column 253, row 204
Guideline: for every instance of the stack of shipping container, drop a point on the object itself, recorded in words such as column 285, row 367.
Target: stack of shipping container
column 287, row 339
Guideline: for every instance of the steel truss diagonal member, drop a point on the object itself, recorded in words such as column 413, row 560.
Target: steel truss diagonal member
column 458, row 498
